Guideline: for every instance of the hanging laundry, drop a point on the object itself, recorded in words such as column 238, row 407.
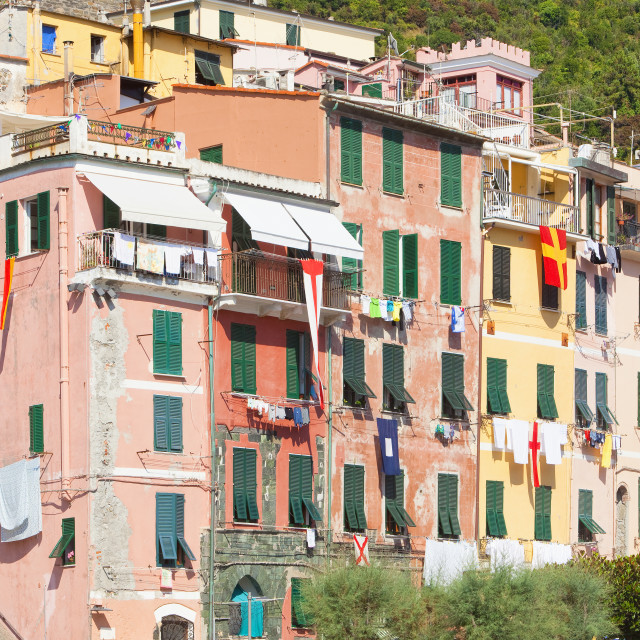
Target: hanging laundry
column 288, row 413
column 407, row 310
column 457, row 319
column 198, row 256
column 212, row 262
column 172, row 256
column 616, row 443
column 390, row 304
column 593, row 438
column 374, row 308
column 305, row 416
column 397, row 306
column 452, row 433
column 365, row 301
column 439, row 429
column 589, row 247
column 388, row 436
column 297, row 416
column 20, row 500
column 311, row 538
column 447, row 431
column 280, row 413
column 587, row 436
column 606, row 452
column 611, row 256
column 505, row 553
column 545, row 553
column 150, row 257
column 250, row 403
column 272, row 413
column 384, row 310
column 552, row 438
column 554, row 256
column 124, row 247
column 446, row 561
column 499, row 433
column 520, row 439
column 618, row 260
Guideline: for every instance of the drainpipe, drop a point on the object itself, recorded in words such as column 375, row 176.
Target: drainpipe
column 480, row 328
column 212, row 432
column 68, row 75
column 329, row 454
column 138, row 38
column 328, row 111
column 64, row 336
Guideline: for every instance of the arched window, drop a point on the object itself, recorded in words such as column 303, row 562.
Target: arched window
column 239, row 624
column 175, row 628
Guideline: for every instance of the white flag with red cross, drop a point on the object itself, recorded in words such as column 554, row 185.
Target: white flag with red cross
column 361, row 546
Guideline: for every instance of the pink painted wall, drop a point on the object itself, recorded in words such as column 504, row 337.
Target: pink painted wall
column 312, row 75
column 263, row 55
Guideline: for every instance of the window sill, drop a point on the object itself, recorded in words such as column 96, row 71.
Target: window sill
column 395, row 195
column 448, row 305
column 51, row 53
column 31, row 254
column 551, row 310
column 506, row 303
column 253, row 525
column 601, row 335
column 402, row 414
column 173, row 376
column 102, row 63
column 352, row 184
column 452, row 206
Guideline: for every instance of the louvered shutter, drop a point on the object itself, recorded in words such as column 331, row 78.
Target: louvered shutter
column 251, row 482
column 443, row 505
column 358, row 360
column 501, row 273
column 293, row 35
column 239, row 484
column 298, row 617
column 237, row 357
column 350, row 265
column 181, row 21
column 547, row 512
column 493, row 398
column 392, row 499
column 175, row 424
column 358, row 496
column 410, row 266
column 501, row 378
column 351, row 150
column 581, row 300
column 174, row 355
column 451, row 175
column 492, row 522
column 390, row 262
column 348, row 357
column 611, row 215
column 601, row 304
column 11, row 226
column 450, row 272
column 387, row 161
column 543, row 402
column 36, row 428
column 550, row 390
column 44, row 207
column 453, row 504
column 292, row 363
column 307, row 488
column 295, row 489
column 212, row 154
column 166, row 543
column 499, row 492
column 591, row 199
column 398, row 164
column 180, row 527
column 160, row 423
column 408, row 520
column 351, row 519
column 387, row 364
column 539, row 514
column 398, row 365
column 160, row 342
column 110, row 214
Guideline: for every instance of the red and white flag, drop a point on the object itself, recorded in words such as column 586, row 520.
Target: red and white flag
column 534, row 445
column 312, row 278
column 8, row 277
column 361, row 547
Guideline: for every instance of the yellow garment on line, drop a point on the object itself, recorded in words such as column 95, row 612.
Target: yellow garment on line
column 606, row 451
column 396, row 311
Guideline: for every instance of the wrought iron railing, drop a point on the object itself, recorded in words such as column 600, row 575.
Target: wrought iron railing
column 628, row 233
column 123, row 134
column 37, row 138
column 280, row 278
column 529, row 210
column 147, row 256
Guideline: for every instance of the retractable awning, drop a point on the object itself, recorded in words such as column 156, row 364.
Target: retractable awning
column 152, row 202
column 326, row 232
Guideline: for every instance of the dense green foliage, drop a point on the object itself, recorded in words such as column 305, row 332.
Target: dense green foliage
column 589, row 49
column 555, row 603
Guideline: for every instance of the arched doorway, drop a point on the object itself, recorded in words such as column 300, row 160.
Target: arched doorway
column 239, row 624
column 622, row 500
column 175, row 628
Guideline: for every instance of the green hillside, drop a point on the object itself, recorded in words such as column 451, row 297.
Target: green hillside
column 589, row 49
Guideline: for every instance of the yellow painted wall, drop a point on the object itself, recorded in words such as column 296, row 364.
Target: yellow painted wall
column 45, row 67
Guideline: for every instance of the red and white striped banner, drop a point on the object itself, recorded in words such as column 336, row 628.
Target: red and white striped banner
column 312, row 278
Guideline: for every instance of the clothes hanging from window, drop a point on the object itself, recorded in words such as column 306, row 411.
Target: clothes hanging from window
column 554, row 435
column 520, row 440
column 280, row 413
column 499, row 433
column 374, row 308
column 447, row 560
column 20, row 501
column 407, row 310
column 618, row 260
column 198, row 256
column 150, row 257
column 388, row 436
column 545, row 553
column 384, row 310
column 311, row 538
column 457, row 319
column 397, row 307
column 288, row 413
column 305, row 415
column 172, row 256
column 605, row 462
column 505, row 553
column 590, row 246
column 365, row 301
column 272, row 413
column 297, row 416
column 124, row 247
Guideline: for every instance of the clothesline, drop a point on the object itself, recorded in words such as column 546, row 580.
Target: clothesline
column 239, row 394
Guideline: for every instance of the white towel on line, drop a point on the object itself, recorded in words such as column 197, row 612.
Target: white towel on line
column 20, row 503
column 311, row 538
column 520, row 440
column 445, row 561
column 553, row 436
column 172, row 255
column 505, row 553
column 124, row 248
column 499, row 432
column 198, row 256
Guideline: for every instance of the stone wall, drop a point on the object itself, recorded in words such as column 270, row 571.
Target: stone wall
column 89, row 9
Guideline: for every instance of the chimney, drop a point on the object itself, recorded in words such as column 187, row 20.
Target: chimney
column 68, row 77
column 138, row 39
column 147, row 13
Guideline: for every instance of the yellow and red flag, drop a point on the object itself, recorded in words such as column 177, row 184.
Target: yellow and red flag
column 8, row 276
column 554, row 256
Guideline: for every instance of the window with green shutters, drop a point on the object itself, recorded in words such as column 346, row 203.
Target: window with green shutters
column 298, row 356
column 171, row 545
column 36, row 428
column 243, row 358
column 11, row 229
column 241, row 239
column 351, row 151
column 611, row 215
column 450, row 175
column 410, row 266
column 584, row 415
column 111, row 217
column 391, row 263
column 496, row 526
column 227, row 25
column 581, row 300
column 301, row 504
column 546, row 396
column 454, row 401
column 245, row 485
column 587, row 526
column 542, row 523
column 605, row 415
column 44, row 206
column 392, row 169
column 208, row 68
column 351, row 265
column 181, row 21
column 395, row 394
column 167, row 342
column 355, row 389
column 600, row 286
column 397, row 516
column 293, row 35
column 212, row 154
column 354, row 514
column 502, row 273
column 450, row 272
column 448, row 523
column 299, row 618
column 590, row 186
column 372, row 90
column 550, row 294
column 65, row 547
column 497, row 397
column 167, row 423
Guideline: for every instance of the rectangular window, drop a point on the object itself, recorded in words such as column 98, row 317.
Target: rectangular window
column 448, row 524
column 581, row 300
column 181, row 21
column 450, row 272
column 338, row 85
column 509, row 94
column 243, row 358
column 450, row 175
column 354, row 515
column 167, row 423
column 372, row 90
column 11, row 228
column 298, row 356
column 36, row 224
column 502, row 273
column 36, row 428
column 454, row 401
column 587, row 526
column 299, row 619
column 66, row 546
column 391, row 263
column 351, row 265
column 167, row 342
column 212, row 154
column 293, row 35
column 584, row 415
column 227, row 25
column 111, row 217
column 97, row 48
column 208, row 68
column 395, row 394
column 410, row 266
column 351, row 151
column 241, row 240
column 392, row 178
column 496, row 525
column 301, row 504
column 397, row 516
column 31, row 226
column 600, row 286
column 590, row 189
column 497, row 397
column 355, row 389
column 171, row 546
column 543, row 514
column 546, row 397
column 611, row 215
column 245, row 485
column 605, row 415
column 550, row 294
column 48, row 38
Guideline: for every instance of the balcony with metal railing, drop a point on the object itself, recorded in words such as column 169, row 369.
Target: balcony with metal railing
column 266, row 284
column 506, row 207
column 628, row 239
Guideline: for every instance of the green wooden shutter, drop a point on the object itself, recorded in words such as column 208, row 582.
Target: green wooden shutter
column 358, row 496
column 36, row 428
column 175, row 424
column 110, row 214
column 590, row 186
column 410, row 266
column 398, row 365
column 501, row 273
column 351, row 265
column 450, row 175
column 161, row 423
column 392, row 161
column 293, row 364
column 450, row 272
column 351, row 151
column 44, row 207
column 550, row 390
column 387, row 364
column 68, row 533
column 611, row 215
column 174, row 347
column 350, row 517
column 399, row 480
column 497, row 397
column 166, row 536
column 180, row 527
column 547, row 512
column 443, row 505
column 306, row 474
column 492, row 521
column 251, row 482
column 600, row 285
column 299, row 619
column 372, row 90
column 502, row 385
column 453, row 504
column 581, row 300
column 502, row 526
column 239, row 485
column 250, row 358
column 539, row 514
column 546, row 394
column 390, row 263
column 181, row 21
column 296, row 515
column 227, row 25
column 160, row 342
column 243, row 358
column 293, row 35
column 212, row 154
column 11, row 225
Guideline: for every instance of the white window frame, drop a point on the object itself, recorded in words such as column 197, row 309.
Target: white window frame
column 99, row 55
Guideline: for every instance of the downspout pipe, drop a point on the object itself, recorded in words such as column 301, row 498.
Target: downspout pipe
column 329, row 453
column 212, row 433
column 480, row 339
column 63, row 317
